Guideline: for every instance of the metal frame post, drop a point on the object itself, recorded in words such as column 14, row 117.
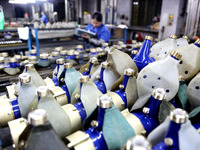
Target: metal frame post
column 29, row 40
column 125, row 35
column 37, row 42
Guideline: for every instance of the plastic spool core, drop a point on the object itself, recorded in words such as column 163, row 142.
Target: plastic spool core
column 60, row 61
column 181, row 78
column 44, row 56
column 173, row 37
column 79, row 47
column 18, row 56
column 186, row 37
column 13, row 60
column 71, row 52
column 32, row 58
column 105, row 101
column 4, row 54
column 159, row 94
column 104, row 44
column 138, row 143
column 42, row 91
column 124, row 46
column 24, row 78
column 105, row 64
column 29, row 66
column 179, row 116
column 93, row 50
column 99, row 49
column 176, row 55
column 148, row 38
column 58, row 49
column 120, row 42
column 129, row 72
column 1, row 59
column 119, row 46
column 197, row 41
column 134, row 52
column 37, row 117
column 56, row 53
column 134, row 41
column 33, row 51
column 67, row 65
column 63, row 52
column 94, row 60
column 84, row 79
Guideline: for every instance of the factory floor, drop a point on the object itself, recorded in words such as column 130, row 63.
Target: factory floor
column 6, row 80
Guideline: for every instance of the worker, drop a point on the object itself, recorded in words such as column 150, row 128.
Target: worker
column 44, row 18
column 96, row 26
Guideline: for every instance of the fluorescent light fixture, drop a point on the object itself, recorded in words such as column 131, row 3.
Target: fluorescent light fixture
column 17, row 2
column 135, row 3
column 21, row 1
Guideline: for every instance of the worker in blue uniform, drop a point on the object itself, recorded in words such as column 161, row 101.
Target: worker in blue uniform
column 96, row 26
column 44, row 18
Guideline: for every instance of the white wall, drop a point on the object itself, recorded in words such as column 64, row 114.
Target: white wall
column 124, row 7
column 7, row 8
column 171, row 7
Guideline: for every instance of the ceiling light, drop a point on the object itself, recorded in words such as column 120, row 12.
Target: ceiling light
column 21, row 1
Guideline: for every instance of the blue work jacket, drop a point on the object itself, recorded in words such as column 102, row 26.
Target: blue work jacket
column 102, row 32
column 44, row 19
